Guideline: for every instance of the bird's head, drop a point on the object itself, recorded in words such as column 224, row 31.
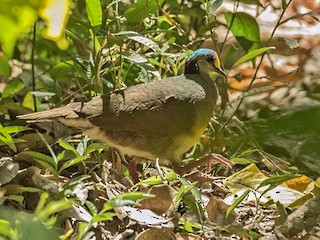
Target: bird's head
column 204, row 61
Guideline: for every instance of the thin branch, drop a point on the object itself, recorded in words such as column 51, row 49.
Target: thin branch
column 313, row 12
column 32, row 65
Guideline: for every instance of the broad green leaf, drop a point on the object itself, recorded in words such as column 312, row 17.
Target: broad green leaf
column 251, row 55
column 14, row 86
column 94, row 11
column 237, row 201
column 28, row 101
column 245, row 29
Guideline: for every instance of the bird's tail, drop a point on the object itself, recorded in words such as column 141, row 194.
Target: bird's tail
column 68, row 112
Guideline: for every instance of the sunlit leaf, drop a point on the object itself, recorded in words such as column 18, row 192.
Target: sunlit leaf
column 94, row 11
column 69, row 147
column 16, row 19
column 56, row 13
column 251, row 55
column 157, row 179
column 245, row 29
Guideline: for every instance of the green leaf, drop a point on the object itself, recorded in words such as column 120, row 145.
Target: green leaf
column 16, row 19
column 72, row 162
column 183, row 190
column 237, row 201
column 94, row 147
column 245, row 29
column 16, row 129
column 92, row 208
column 157, row 179
column 41, row 158
column 7, row 139
column 68, row 146
column 94, row 11
column 103, row 217
column 187, row 226
column 195, row 191
column 5, row 69
column 277, row 180
column 141, row 39
column 140, row 10
column 42, row 94
column 241, row 160
column 28, row 101
column 251, row 55
column 13, row 87
column 5, row 229
column 52, row 208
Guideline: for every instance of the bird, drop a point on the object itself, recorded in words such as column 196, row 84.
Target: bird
column 157, row 120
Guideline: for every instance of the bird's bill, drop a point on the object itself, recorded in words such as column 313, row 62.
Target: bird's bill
column 220, row 72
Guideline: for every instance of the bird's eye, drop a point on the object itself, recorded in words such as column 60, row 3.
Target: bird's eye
column 210, row 60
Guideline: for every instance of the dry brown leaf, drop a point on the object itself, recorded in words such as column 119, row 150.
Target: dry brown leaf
column 162, row 201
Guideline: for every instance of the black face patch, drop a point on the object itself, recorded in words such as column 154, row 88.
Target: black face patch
column 191, row 67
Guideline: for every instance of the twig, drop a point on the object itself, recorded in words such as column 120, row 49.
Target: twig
column 32, row 65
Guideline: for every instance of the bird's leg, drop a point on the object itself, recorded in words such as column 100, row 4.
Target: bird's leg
column 206, row 159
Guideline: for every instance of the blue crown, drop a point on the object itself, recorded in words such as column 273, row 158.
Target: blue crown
column 200, row 52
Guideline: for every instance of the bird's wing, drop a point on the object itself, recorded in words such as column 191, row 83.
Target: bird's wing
column 146, row 107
